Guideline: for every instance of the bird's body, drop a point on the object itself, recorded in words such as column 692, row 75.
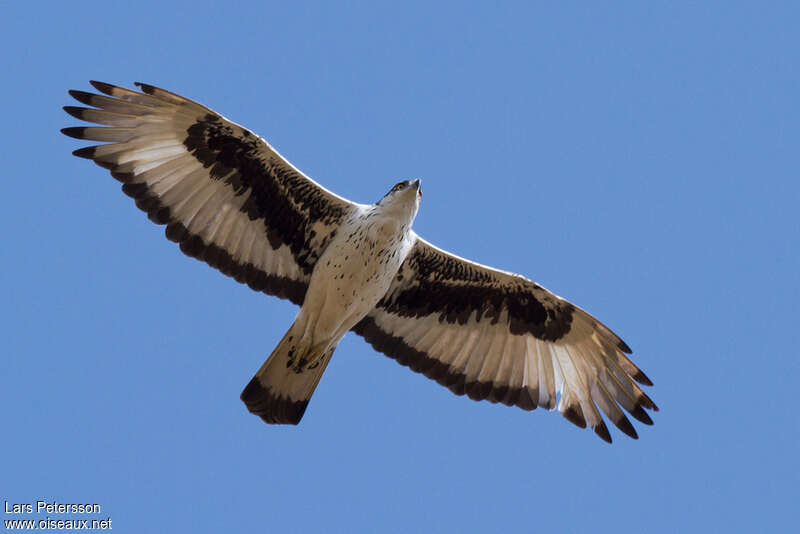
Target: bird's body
column 229, row 199
column 348, row 280
column 359, row 265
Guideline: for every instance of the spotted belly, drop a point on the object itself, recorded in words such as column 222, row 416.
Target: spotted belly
column 350, row 278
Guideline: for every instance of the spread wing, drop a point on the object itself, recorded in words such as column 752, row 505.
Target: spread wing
column 227, row 197
column 498, row 336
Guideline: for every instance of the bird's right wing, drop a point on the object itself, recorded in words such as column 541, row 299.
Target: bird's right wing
column 226, row 196
column 498, row 336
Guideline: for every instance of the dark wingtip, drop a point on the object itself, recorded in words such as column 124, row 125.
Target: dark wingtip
column 458, row 386
column 498, row 393
column 602, row 430
column 641, row 415
column 75, row 111
column 512, row 397
column 648, row 403
column 103, row 87
column 478, row 390
column 176, row 232
column 85, row 152
column 146, row 88
column 273, row 410
column 624, row 347
column 525, row 400
column 626, row 426
column 74, row 131
column 81, row 96
column 123, row 177
column 642, row 378
column 574, row 415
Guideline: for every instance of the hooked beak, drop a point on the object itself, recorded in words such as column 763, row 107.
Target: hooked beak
column 418, row 184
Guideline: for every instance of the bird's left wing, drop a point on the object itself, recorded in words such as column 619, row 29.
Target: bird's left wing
column 227, row 197
column 498, row 336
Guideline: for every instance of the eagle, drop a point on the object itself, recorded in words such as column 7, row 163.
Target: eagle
column 230, row 199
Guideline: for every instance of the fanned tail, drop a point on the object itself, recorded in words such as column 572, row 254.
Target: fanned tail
column 280, row 390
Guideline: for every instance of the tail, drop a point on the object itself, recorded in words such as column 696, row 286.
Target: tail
column 279, row 392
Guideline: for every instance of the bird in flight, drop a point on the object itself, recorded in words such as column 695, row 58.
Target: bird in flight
column 228, row 198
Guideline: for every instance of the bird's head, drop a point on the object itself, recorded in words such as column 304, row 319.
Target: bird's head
column 403, row 198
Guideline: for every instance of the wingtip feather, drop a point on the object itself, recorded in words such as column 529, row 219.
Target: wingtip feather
column 642, row 378
column 641, row 415
column 86, row 152
column 75, row 132
column 625, row 426
column 145, row 87
column 81, row 96
column 103, row 87
column 602, row 430
column 75, row 111
column 574, row 415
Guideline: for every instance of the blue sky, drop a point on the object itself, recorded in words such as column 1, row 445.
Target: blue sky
column 638, row 159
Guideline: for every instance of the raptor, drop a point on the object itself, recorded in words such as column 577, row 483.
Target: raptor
column 231, row 200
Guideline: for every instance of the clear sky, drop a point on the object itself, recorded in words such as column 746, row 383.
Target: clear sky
column 638, row 159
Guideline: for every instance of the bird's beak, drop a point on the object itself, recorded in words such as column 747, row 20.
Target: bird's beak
column 418, row 184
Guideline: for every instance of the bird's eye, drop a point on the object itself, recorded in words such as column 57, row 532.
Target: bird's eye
column 398, row 187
